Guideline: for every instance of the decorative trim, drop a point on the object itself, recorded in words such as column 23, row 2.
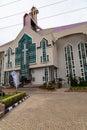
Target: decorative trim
column 12, row 53
column 46, row 43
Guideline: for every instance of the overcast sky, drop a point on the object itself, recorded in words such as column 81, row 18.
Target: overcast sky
column 62, row 12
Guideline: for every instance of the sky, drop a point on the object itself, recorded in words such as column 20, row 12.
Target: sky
column 52, row 13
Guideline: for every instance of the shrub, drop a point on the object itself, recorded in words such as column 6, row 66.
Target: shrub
column 74, row 81
column 13, row 99
column 2, row 93
column 42, row 86
column 53, row 81
column 48, row 87
column 50, row 83
column 78, row 87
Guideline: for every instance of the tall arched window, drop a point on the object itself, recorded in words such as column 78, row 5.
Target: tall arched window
column 44, row 57
column 70, row 68
column 82, row 48
column 43, row 45
column 9, row 63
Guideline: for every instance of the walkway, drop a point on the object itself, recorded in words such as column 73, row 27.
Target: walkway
column 48, row 111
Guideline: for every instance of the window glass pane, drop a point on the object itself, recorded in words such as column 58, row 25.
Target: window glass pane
column 47, row 57
column 9, row 63
column 17, row 56
column 43, row 45
column 32, row 53
column 69, row 60
column 83, row 56
column 41, row 59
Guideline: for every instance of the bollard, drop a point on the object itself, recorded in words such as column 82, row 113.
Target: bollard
column 2, row 107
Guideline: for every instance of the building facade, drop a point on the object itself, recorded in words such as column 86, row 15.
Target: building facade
column 43, row 55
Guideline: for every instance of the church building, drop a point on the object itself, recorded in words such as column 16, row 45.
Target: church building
column 43, row 55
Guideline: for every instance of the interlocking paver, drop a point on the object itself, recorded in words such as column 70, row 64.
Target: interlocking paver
column 49, row 111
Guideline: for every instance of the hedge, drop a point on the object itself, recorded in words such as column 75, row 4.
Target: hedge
column 2, row 93
column 9, row 101
column 78, row 87
column 48, row 87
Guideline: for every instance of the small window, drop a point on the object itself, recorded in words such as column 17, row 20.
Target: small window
column 47, row 57
column 74, row 75
column 82, row 74
column 41, row 59
column 81, row 70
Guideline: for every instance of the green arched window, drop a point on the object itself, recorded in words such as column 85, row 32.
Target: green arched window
column 44, row 57
column 9, row 53
column 82, row 48
column 70, row 68
column 43, row 45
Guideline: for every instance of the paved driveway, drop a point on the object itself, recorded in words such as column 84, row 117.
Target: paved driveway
column 48, row 111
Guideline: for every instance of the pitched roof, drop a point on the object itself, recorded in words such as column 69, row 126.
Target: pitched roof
column 6, row 43
column 56, row 29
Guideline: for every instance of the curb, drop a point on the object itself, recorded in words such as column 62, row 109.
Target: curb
column 13, row 106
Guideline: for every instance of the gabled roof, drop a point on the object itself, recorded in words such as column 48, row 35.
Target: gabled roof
column 8, row 43
column 61, row 28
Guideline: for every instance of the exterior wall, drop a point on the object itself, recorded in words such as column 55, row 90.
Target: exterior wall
column 52, row 73
column 73, row 40
column 73, row 30
column 38, row 74
column 36, row 38
column 55, row 58
column 55, row 52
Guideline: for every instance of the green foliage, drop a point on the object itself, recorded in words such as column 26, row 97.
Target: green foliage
column 42, row 86
column 11, row 81
column 2, row 93
column 74, row 81
column 78, row 87
column 13, row 99
column 7, row 95
column 82, row 82
column 53, row 81
column 48, row 87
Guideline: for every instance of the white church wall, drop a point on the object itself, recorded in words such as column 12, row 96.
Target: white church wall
column 55, row 58
column 73, row 40
column 61, row 61
column 73, row 30
column 38, row 75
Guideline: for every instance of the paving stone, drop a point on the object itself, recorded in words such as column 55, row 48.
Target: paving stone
column 49, row 111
